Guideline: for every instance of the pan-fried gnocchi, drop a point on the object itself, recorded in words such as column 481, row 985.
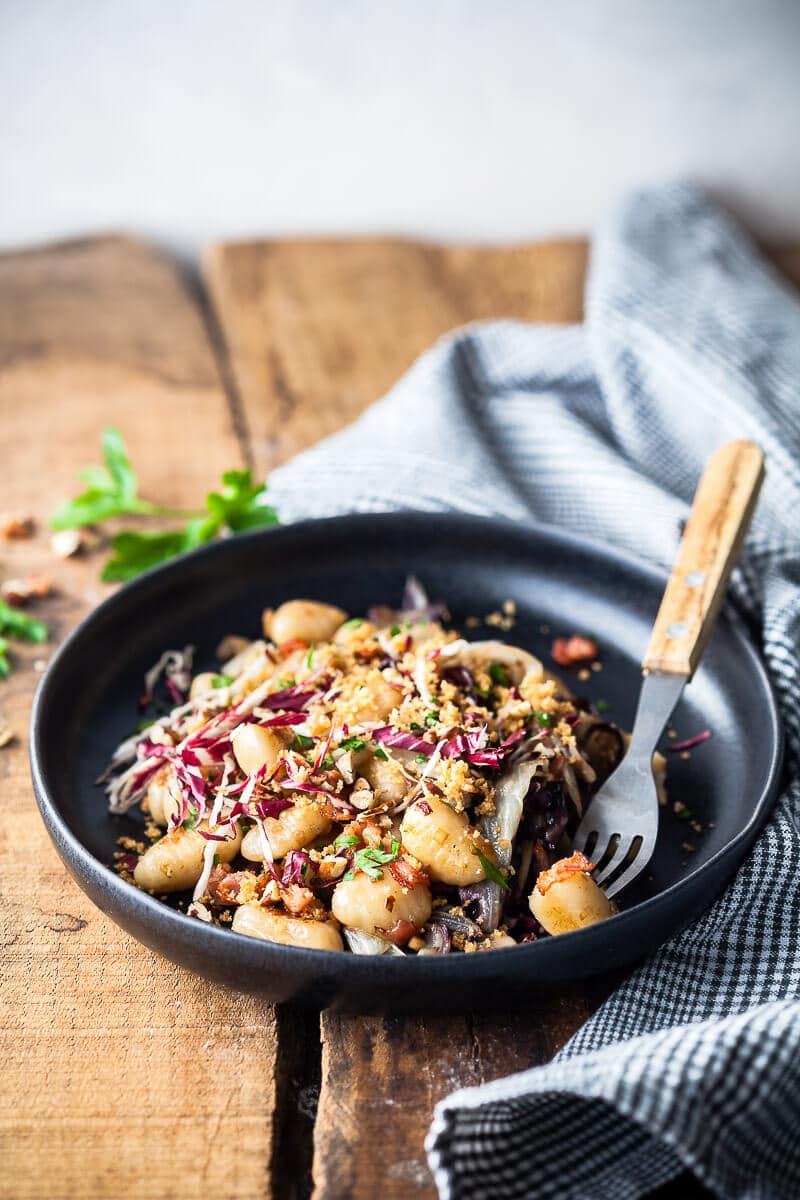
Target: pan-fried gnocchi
column 371, row 784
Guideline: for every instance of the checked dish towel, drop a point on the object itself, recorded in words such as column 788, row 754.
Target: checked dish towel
column 689, row 340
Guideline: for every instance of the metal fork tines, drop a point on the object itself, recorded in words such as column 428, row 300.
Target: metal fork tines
column 620, row 827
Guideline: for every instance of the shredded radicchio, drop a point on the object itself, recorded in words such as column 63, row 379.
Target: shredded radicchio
column 689, row 742
column 415, row 604
column 402, row 740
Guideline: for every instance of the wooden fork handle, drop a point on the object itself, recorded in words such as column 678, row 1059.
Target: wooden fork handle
column 723, row 507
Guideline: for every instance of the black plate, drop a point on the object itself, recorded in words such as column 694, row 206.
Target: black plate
column 87, row 702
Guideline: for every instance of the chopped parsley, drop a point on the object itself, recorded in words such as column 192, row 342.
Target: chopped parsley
column 352, row 743
column 432, row 718
column 353, row 623
column 380, row 752
column 393, row 632
column 310, row 656
column 192, row 819
column 490, row 870
column 544, row 719
column 220, row 681
column 344, row 840
column 420, row 758
column 498, row 674
column 370, row 860
column 302, row 741
column 217, row 860
column 602, row 706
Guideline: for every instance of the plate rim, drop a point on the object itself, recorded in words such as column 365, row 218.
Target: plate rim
column 206, row 936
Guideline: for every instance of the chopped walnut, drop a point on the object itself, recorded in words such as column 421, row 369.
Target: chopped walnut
column 20, row 591
column 15, row 525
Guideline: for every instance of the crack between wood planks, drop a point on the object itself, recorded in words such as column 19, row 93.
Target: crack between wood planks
column 298, row 1078
column 222, row 358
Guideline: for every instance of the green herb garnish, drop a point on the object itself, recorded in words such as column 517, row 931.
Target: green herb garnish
column 370, row 859
column 192, row 819
column 490, row 870
column 379, row 752
column 544, row 719
column 302, row 741
column 221, row 681
column 352, row 743
column 432, row 718
column 420, row 758
column 310, row 656
column 393, row 632
column 353, row 623
column 216, row 860
column 344, row 840
column 498, row 674
column 602, row 706
column 112, row 491
column 19, row 625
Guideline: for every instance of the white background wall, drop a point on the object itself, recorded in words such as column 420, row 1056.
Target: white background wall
column 498, row 119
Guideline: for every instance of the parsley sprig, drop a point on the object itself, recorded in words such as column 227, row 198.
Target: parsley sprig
column 112, row 491
column 370, row 860
column 16, row 624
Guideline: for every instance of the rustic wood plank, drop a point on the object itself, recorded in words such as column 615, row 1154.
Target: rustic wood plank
column 122, row 1075
column 316, row 330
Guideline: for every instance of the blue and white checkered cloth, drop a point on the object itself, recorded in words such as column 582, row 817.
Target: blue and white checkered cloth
column 690, row 340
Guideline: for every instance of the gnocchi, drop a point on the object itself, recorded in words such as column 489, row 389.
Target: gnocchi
column 392, row 788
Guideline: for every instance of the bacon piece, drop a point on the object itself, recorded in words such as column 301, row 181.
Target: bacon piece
column 401, row 932
column 567, row 652
column 406, row 874
column 287, row 648
column 563, row 869
column 233, row 887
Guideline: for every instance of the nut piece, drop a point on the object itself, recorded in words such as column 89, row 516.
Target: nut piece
column 15, row 525
column 20, row 591
column 66, row 542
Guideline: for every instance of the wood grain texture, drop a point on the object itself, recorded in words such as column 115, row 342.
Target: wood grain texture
column 715, row 531
column 117, row 1066
column 316, row 330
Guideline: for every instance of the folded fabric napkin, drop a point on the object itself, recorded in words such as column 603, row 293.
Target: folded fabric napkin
column 690, row 339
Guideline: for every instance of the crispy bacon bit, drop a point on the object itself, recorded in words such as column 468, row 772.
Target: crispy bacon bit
column 400, row 933
column 20, row 591
column 372, row 835
column 389, row 903
column 15, row 525
column 407, row 874
column 424, row 807
column 287, row 648
column 563, row 869
column 233, row 887
column 567, row 652
column 296, row 899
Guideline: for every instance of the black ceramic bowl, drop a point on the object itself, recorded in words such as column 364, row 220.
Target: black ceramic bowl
column 86, row 703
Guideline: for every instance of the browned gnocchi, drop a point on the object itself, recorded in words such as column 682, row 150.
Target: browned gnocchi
column 377, row 785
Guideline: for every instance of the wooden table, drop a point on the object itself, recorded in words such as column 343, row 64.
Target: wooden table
column 123, row 1075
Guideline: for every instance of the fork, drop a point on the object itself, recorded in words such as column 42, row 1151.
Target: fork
column 620, row 827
